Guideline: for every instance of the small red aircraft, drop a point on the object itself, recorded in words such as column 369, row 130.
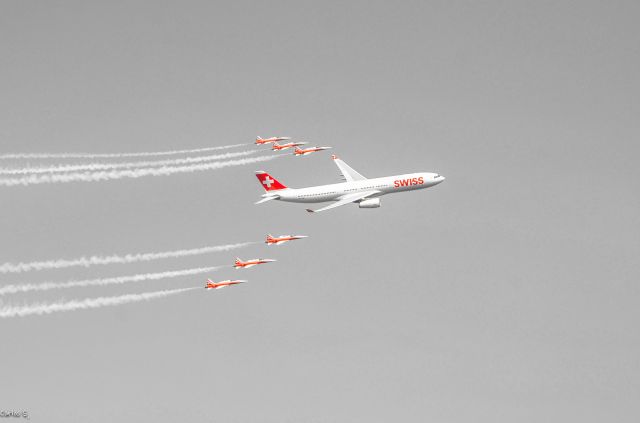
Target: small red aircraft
column 260, row 140
column 239, row 264
column 218, row 285
column 277, row 147
column 305, row 151
column 271, row 240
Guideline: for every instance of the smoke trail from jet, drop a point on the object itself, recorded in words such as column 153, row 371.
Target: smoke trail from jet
column 116, row 259
column 46, row 286
column 112, row 155
column 93, row 167
column 134, row 173
column 87, row 303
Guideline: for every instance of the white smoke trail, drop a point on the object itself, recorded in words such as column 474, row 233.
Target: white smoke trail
column 46, row 286
column 116, row 259
column 93, row 167
column 87, row 303
column 135, row 173
column 111, row 155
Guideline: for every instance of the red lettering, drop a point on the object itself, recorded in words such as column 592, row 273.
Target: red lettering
column 408, row 182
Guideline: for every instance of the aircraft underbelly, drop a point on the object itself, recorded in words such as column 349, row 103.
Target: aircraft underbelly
column 311, row 198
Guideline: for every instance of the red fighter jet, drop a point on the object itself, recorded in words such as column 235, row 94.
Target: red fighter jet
column 260, row 140
column 278, row 147
column 239, row 264
column 304, row 151
column 271, row 240
column 218, row 285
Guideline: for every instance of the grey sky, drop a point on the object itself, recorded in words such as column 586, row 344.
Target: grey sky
column 509, row 292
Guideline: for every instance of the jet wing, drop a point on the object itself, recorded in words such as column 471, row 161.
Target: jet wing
column 348, row 174
column 350, row 198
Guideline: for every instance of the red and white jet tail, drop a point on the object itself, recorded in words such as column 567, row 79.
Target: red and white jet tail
column 269, row 183
column 271, row 240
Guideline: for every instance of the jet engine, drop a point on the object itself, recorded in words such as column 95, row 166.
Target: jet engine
column 372, row 203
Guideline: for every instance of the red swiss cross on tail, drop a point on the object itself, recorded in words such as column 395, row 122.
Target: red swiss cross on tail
column 269, row 183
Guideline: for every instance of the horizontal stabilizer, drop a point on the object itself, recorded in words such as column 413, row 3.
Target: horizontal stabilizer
column 264, row 200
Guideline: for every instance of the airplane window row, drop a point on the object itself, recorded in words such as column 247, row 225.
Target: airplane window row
column 317, row 195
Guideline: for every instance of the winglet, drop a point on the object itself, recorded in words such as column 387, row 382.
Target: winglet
column 311, row 211
column 334, row 157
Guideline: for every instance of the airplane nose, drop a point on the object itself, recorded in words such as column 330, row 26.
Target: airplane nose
column 439, row 179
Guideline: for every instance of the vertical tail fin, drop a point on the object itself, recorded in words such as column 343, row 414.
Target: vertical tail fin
column 269, row 183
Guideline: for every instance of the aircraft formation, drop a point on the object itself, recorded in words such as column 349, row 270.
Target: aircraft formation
column 298, row 152
column 356, row 188
column 245, row 264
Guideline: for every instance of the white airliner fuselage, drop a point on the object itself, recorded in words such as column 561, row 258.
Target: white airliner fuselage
column 357, row 189
column 386, row 185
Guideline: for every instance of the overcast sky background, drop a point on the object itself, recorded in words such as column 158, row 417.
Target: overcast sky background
column 507, row 293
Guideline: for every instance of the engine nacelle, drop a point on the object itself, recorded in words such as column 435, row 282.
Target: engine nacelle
column 372, row 203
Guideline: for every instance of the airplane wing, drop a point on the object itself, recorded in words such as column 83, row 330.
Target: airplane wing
column 350, row 198
column 348, row 174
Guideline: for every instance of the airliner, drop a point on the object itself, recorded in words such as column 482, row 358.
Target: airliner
column 356, row 188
